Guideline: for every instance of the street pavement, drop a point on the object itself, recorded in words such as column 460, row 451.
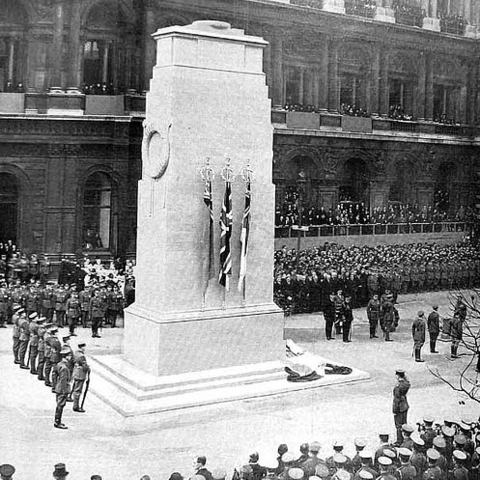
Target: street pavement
column 96, row 444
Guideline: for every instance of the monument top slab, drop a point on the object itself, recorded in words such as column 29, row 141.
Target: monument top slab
column 210, row 29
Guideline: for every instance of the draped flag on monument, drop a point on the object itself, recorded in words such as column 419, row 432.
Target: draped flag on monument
column 244, row 237
column 208, row 199
column 225, row 236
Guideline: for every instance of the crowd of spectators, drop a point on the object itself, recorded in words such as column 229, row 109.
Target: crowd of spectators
column 452, row 23
column 99, row 89
column 356, row 213
column 304, row 284
column 353, row 110
column 427, row 450
column 298, row 107
column 442, row 118
column 408, row 7
column 396, row 112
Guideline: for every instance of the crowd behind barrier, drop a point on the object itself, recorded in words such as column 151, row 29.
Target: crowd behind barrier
column 429, row 450
column 356, row 213
column 396, row 112
column 353, row 110
column 304, row 284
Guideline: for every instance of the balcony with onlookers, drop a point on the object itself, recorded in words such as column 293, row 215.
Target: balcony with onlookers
column 362, row 8
column 408, row 13
column 318, row 4
column 453, row 23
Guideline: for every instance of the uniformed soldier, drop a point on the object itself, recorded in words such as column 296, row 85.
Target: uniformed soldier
column 428, row 433
column 85, row 296
column 456, row 334
column 62, row 387
column 34, row 326
column 116, row 305
column 432, row 472
column 4, row 303
column 388, row 317
column 407, row 431
column 80, row 372
column 340, row 467
column 400, row 403
column 418, row 459
column 96, row 312
column 52, row 355
column 406, row 471
column 364, row 475
column 373, row 314
column 366, row 464
column 61, row 296
column 384, row 445
column 24, row 338
column 385, row 464
column 418, row 334
column 73, row 310
column 332, row 462
column 310, row 464
column 360, row 444
column 440, row 445
column 48, row 299
column 41, row 349
column 433, row 324
column 19, row 312
column 459, row 471
column 31, row 301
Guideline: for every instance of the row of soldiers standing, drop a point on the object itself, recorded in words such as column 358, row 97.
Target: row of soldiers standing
column 64, row 305
column 55, row 363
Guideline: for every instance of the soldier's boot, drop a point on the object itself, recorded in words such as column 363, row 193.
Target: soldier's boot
column 453, row 353
column 387, row 336
column 432, row 346
column 76, row 406
column 418, row 357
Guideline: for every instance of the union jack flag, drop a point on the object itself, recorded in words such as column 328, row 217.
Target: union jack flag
column 225, row 237
column 208, row 199
column 244, row 237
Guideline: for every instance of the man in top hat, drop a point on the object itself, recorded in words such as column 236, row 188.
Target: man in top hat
column 60, row 472
column 418, row 334
column 433, row 324
column 80, row 372
column 6, row 471
column 400, row 403
column 62, row 387
column 406, row 471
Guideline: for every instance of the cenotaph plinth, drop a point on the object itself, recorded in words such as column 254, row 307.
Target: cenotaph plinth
column 208, row 98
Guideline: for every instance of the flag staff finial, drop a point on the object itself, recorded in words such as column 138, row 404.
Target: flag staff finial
column 247, row 172
column 206, row 172
column 227, row 171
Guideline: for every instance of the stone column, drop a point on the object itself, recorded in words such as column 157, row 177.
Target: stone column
column 420, row 94
column 429, row 87
column 333, row 94
column 430, row 21
column 148, row 54
column 75, row 50
column 267, row 65
column 322, row 85
column 472, row 94
column 373, row 107
column 278, row 96
column 384, row 83
column 316, row 75
column 55, row 71
column 106, row 53
column 11, row 58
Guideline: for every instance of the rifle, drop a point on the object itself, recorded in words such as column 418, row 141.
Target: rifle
column 87, row 384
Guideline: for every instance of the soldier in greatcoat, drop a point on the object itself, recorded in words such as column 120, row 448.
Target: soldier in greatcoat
column 418, row 334
column 433, row 324
column 73, row 310
column 80, row 372
column 373, row 314
column 62, row 387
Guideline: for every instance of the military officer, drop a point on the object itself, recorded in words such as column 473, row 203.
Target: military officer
column 61, row 296
column 418, row 334
column 385, row 464
column 418, row 459
column 407, row 431
column 400, row 403
column 85, row 296
column 433, row 472
column 406, row 471
column 456, row 334
column 96, row 313
column 73, row 310
column 4, row 304
column 360, row 444
column 34, row 326
column 19, row 314
column 433, row 324
column 48, row 302
column 373, row 314
column 24, row 338
column 52, row 355
column 459, row 471
column 428, row 433
column 62, row 387
column 41, row 349
column 80, row 372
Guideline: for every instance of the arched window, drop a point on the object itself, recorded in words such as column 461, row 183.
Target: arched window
column 8, row 207
column 97, row 212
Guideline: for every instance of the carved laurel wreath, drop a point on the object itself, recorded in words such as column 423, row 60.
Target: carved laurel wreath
column 155, row 148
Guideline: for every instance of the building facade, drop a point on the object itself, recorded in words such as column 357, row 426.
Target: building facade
column 372, row 102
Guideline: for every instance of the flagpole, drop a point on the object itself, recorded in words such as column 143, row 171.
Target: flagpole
column 247, row 176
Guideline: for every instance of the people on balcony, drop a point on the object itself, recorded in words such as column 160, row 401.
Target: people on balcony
column 452, row 23
column 364, row 8
column 11, row 88
column 99, row 89
column 442, row 118
column 354, row 213
column 396, row 112
column 353, row 110
column 298, row 107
